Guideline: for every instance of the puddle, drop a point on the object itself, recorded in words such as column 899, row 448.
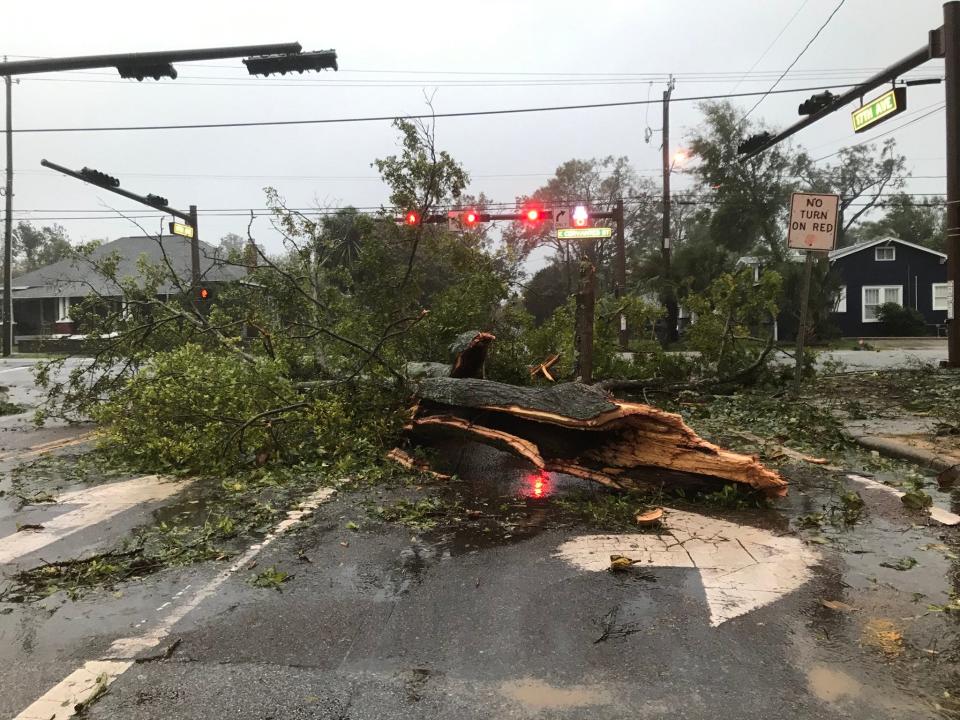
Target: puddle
column 830, row 684
column 538, row 695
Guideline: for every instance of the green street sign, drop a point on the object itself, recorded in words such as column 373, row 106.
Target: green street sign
column 181, row 229
column 584, row 233
column 893, row 102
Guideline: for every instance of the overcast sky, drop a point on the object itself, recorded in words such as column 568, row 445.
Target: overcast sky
column 471, row 56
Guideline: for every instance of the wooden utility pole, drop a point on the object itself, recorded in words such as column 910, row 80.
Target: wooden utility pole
column 194, row 251
column 8, row 230
column 951, row 66
column 668, row 295
column 620, row 281
column 586, row 295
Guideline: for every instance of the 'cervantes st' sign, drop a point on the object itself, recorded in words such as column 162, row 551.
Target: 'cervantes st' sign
column 813, row 221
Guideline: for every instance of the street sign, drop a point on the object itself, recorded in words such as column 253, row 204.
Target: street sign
column 589, row 233
column 181, row 229
column 893, row 102
column 813, row 221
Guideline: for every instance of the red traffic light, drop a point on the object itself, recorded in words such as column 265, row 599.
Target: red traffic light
column 470, row 218
column 204, row 294
column 412, row 218
column 533, row 214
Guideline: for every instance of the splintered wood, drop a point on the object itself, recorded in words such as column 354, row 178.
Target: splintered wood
column 579, row 430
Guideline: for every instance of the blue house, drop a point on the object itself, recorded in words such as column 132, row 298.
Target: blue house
column 888, row 270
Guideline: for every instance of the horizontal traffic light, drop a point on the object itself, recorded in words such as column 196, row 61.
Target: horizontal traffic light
column 816, row 103
column 95, row 177
column 753, row 142
column 294, row 62
column 145, row 70
column 157, row 201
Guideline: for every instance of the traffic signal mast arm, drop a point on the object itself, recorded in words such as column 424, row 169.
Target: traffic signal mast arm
column 933, row 49
column 149, row 200
column 144, row 59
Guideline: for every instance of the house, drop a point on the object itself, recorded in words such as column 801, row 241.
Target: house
column 888, row 270
column 42, row 298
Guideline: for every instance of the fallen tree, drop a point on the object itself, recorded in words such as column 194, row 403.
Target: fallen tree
column 575, row 429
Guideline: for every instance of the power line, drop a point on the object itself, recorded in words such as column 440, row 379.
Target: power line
column 772, row 43
column 796, row 59
column 683, row 199
column 420, row 116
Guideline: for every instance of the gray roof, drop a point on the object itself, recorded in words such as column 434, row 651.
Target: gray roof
column 76, row 276
column 851, row 249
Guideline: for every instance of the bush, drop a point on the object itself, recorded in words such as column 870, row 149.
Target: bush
column 901, row 321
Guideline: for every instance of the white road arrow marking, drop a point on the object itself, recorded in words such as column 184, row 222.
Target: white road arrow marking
column 742, row 568
column 96, row 505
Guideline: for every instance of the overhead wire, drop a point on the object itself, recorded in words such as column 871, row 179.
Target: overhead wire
column 796, row 59
column 772, row 43
column 415, row 116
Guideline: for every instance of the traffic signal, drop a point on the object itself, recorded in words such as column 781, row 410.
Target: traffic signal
column 411, row 218
column 580, row 217
column 157, row 201
column 145, row 70
column 533, row 214
column 753, row 142
column 95, row 177
column 203, row 293
column 816, row 103
column 469, row 219
column 294, row 62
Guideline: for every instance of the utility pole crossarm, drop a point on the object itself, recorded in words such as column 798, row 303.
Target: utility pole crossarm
column 888, row 75
column 87, row 62
column 143, row 200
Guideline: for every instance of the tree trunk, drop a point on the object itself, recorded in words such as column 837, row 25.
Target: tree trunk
column 579, row 430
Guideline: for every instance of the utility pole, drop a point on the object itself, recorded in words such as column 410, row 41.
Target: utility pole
column 620, row 275
column 8, row 230
column 951, row 66
column 668, row 295
column 586, row 300
column 194, row 248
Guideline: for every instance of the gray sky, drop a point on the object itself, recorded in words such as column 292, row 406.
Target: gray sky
column 474, row 56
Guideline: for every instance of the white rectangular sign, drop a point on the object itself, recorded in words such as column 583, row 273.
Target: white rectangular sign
column 813, row 221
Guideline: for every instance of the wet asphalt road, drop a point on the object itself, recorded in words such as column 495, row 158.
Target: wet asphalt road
column 388, row 622
column 385, row 622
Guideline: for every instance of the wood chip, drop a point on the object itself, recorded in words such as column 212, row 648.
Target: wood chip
column 650, row 517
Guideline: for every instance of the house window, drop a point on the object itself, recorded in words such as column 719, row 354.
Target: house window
column 63, row 309
column 885, row 253
column 941, row 296
column 840, row 306
column 876, row 295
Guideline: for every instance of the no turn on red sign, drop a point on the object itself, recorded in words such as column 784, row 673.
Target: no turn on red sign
column 813, row 221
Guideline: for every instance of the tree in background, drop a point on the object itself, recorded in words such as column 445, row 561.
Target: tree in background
column 916, row 221
column 748, row 199
column 33, row 248
column 861, row 177
column 232, row 243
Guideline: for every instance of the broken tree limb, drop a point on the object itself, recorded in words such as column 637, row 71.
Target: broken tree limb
column 579, row 430
column 659, row 384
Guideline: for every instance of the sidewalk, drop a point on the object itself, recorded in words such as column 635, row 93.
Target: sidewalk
column 912, row 438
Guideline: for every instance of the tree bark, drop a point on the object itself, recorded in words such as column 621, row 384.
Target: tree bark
column 580, row 430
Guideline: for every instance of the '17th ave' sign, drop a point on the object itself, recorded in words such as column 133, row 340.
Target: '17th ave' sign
column 893, row 102
column 813, row 221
